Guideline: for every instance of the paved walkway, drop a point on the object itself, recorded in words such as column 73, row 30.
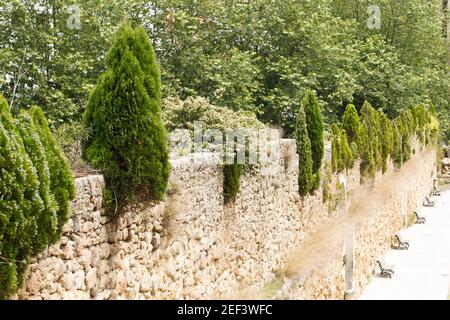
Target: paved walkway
column 423, row 271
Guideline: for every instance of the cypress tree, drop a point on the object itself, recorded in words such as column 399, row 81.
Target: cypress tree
column 19, row 206
column 62, row 184
column 33, row 171
column 129, row 141
column 305, row 155
column 346, row 152
column 342, row 156
column 386, row 139
column 397, row 143
column 407, row 129
column 47, row 220
column 352, row 127
column 335, row 148
column 231, row 181
column 371, row 151
column 314, row 123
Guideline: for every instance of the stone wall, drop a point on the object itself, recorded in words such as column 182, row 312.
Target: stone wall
column 193, row 246
column 393, row 199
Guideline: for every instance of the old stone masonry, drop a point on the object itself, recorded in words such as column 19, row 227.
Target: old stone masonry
column 192, row 246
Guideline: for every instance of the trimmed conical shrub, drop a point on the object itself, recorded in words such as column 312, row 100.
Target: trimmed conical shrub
column 231, row 181
column 62, row 184
column 352, row 127
column 347, row 158
column 407, row 129
column 20, row 204
column 396, row 143
column 314, row 122
column 36, row 187
column 128, row 141
column 371, row 157
column 386, row 139
column 335, row 148
column 304, row 151
column 47, row 220
column 341, row 153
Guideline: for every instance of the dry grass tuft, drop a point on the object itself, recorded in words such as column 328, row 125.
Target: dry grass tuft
column 318, row 250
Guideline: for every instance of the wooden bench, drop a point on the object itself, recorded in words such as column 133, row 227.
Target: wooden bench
column 401, row 243
column 428, row 202
column 419, row 219
column 436, row 191
column 385, row 269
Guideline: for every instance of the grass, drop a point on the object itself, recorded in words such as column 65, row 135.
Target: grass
column 271, row 288
column 411, row 220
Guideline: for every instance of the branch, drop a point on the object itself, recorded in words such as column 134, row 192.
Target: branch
column 20, row 74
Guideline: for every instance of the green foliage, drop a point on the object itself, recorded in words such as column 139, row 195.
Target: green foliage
column 397, row 144
column 178, row 114
column 342, row 156
column 231, row 181
column 335, row 148
column 326, row 192
column 20, row 203
column 352, row 126
column 287, row 47
column 71, row 136
column 46, row 219
column 314, row 124
column 30, row 216
column 62, row 184
column 255, row 55
column 406, row 128
column 371, row 156
column 305, row 174
column 379, row 138
column 386, row 139
column 128, row 141
column 346, row 153
column 49, row 64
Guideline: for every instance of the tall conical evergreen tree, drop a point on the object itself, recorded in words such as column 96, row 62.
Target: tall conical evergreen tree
column 19, row 206
column 351, row 123
column 304, row 151
column 371, row 147
column 128, row 141
column 352, row 126
column 406, row 128
column 386, row 139
column 33, row 171
column 396, row 143
column 314, row 123
column 47, row 220
column 62, row 184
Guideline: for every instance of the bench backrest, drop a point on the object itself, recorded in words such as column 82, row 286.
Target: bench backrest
column 379, row 264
